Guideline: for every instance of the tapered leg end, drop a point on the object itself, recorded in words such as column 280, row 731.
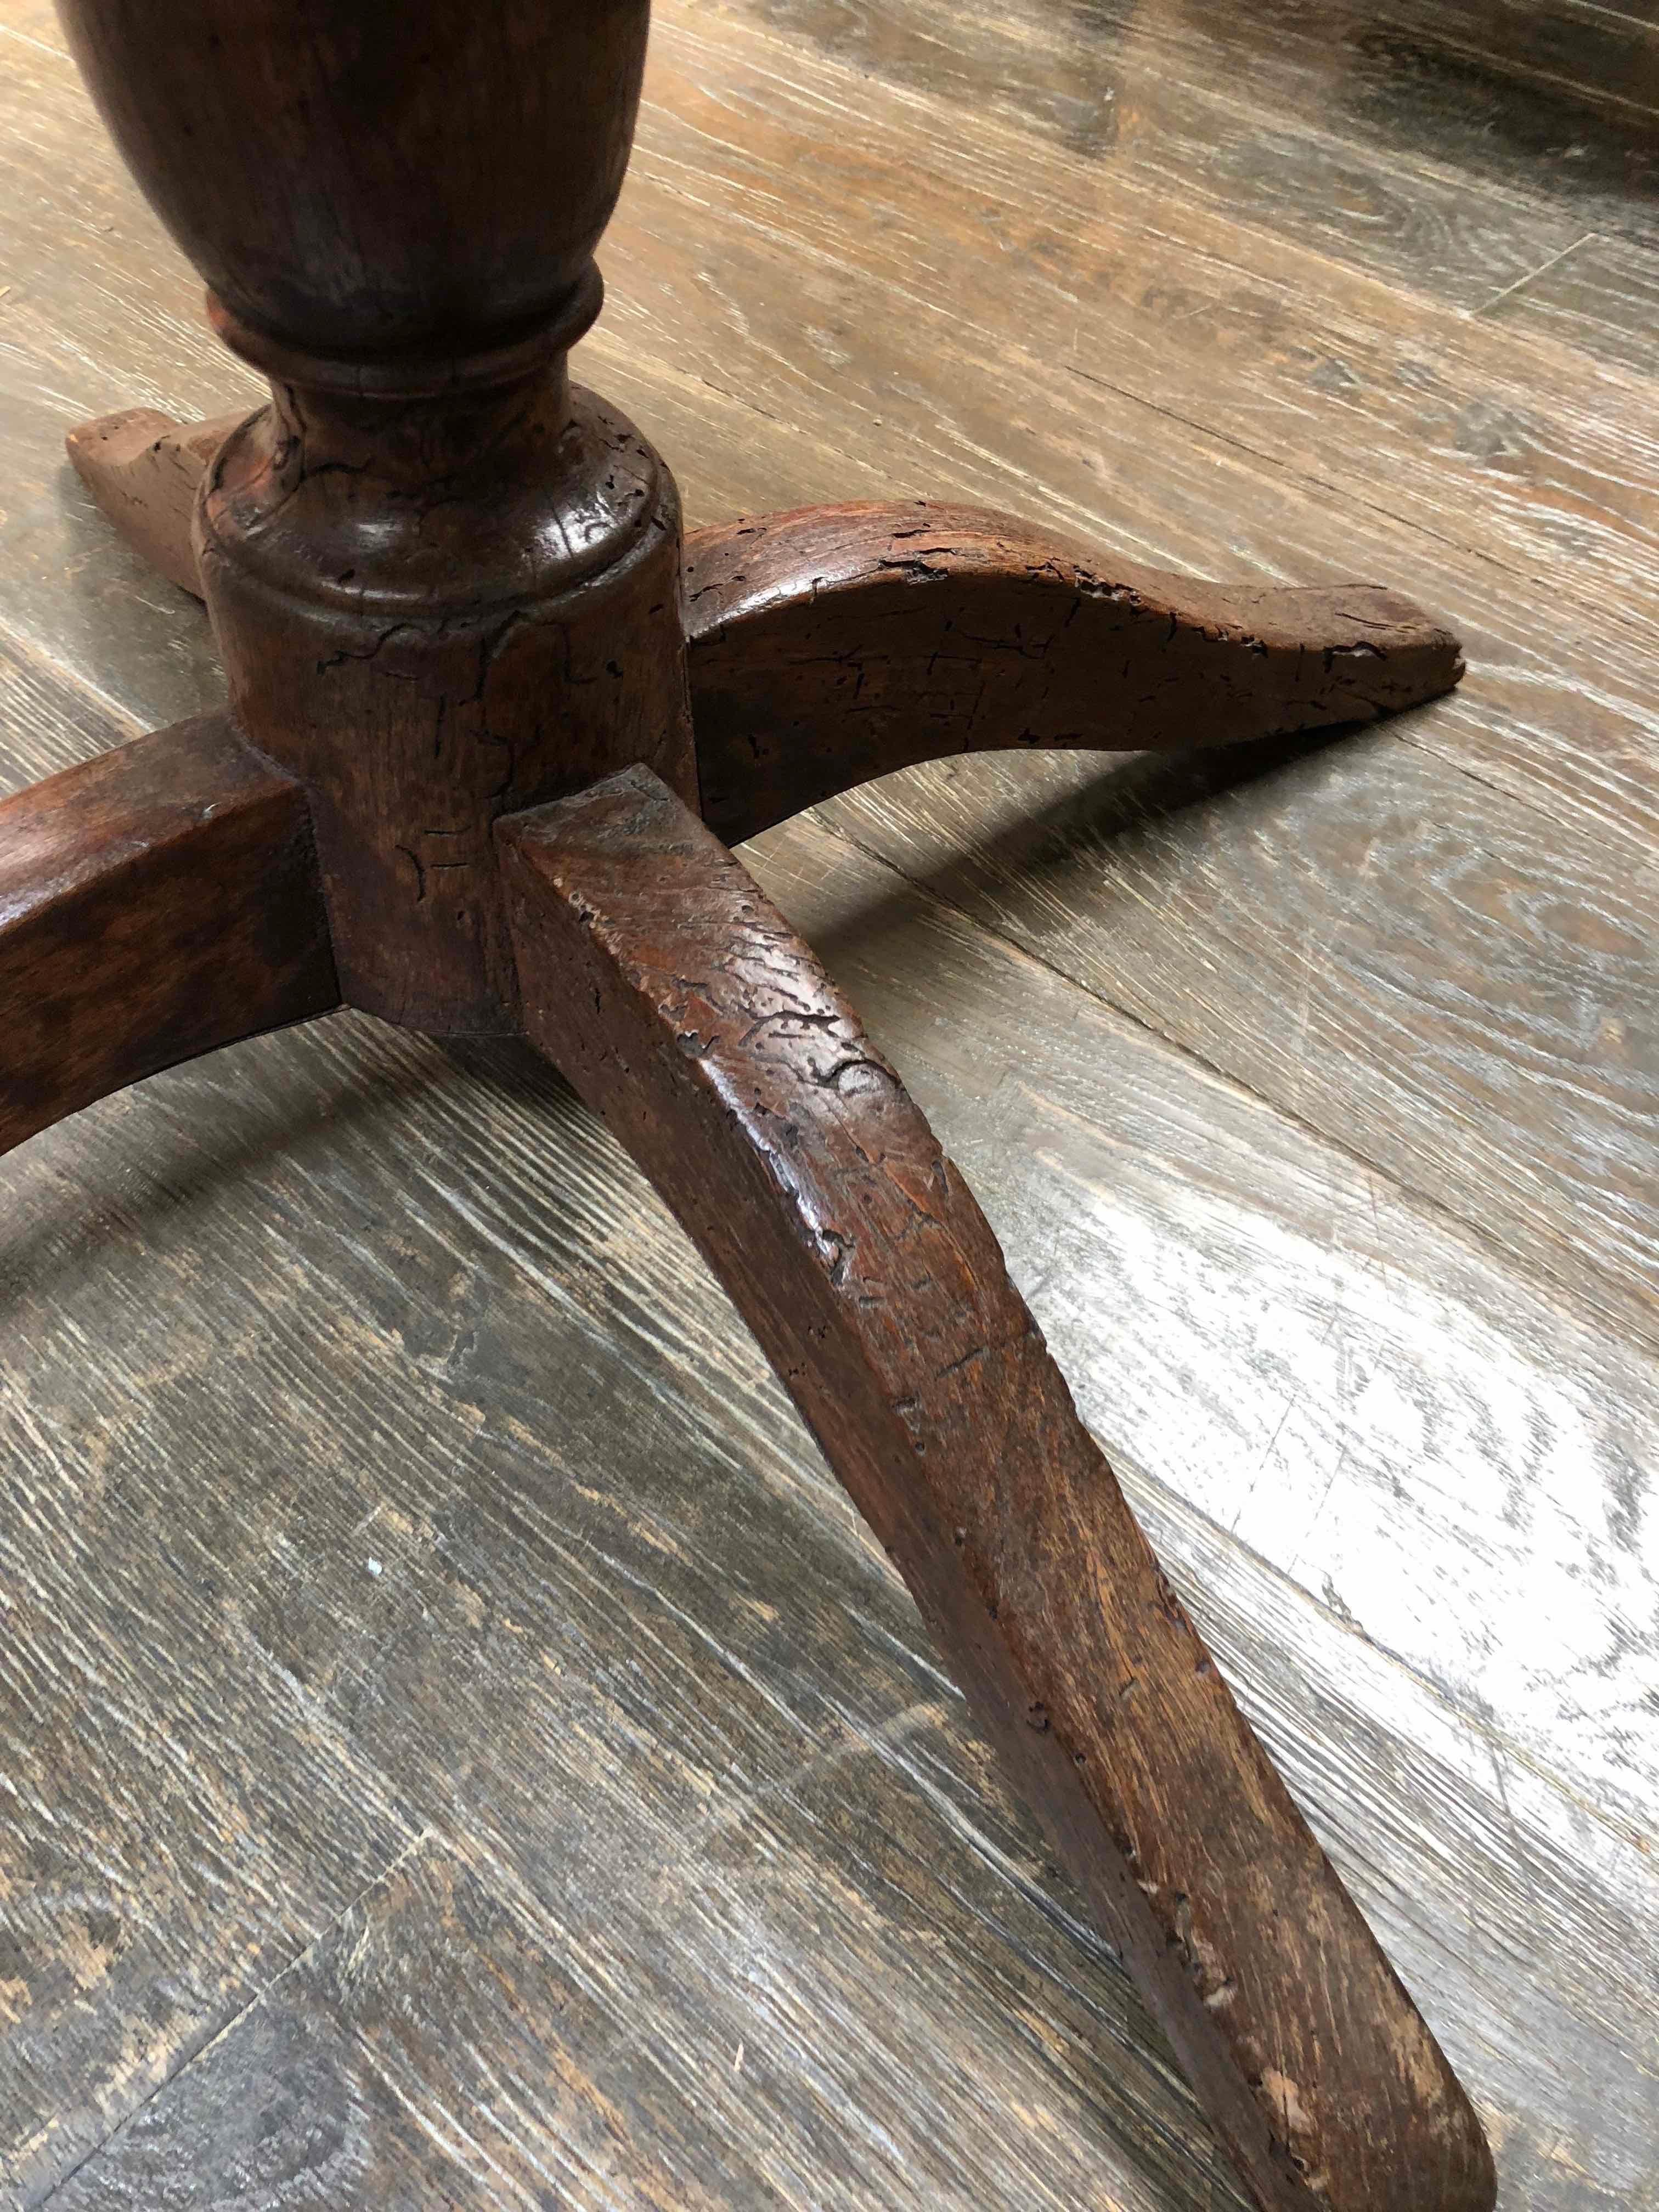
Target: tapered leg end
column 1352, row 652
column 835, row 644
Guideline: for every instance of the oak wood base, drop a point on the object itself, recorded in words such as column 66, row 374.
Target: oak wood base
column 170, row 897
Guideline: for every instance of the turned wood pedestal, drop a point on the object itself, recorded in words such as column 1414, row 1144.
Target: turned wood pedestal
column 494, row 726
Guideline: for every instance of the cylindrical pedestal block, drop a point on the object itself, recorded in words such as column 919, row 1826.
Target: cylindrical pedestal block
column 436, row 607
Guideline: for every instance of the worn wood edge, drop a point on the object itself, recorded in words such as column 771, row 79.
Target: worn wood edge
column 144, row 469
column 828, row 646
column 1396, row 2132
column 156, row 901
column 1056, row 1133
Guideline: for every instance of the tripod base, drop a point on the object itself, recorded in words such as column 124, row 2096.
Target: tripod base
column 834, row 644
column 168, row 898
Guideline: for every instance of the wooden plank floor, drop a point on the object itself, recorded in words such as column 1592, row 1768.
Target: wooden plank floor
column 458, row 1748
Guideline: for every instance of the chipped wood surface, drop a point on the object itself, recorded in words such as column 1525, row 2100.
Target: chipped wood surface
column 144, row 469
column 380, row 1469
column 831, row 646
column 685, row 1010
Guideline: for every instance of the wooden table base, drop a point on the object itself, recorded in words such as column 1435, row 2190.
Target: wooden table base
column 490, row 723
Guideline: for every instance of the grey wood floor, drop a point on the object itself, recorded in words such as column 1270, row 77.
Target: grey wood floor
column 457, row 1746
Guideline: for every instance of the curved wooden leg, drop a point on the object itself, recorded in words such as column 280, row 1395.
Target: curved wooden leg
column 143, row 469
column 831, row 645
column 657, row 976
column 156, row 902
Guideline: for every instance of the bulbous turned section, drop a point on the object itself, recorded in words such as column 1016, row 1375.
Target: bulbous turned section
column 369, row 176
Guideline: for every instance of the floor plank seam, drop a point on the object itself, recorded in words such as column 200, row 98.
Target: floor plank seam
column 1531, row 278
column 1597, row 96
column 1270, row 461
column 1517, row 794
column 201, row 2051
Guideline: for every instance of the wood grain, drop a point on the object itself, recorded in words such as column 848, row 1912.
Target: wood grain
column 625, row 1626
column 178, row 1824
column 1602, row 296
column 448, row 1594
column 1427, row 145
column 683, row 1007
column 1103, row 90
column 1405, row 1461
column 431, row 1965
column 835, row 644
column 1147, row 298
column 158, row 901
column 1391, row 1018
column 334, row 1295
